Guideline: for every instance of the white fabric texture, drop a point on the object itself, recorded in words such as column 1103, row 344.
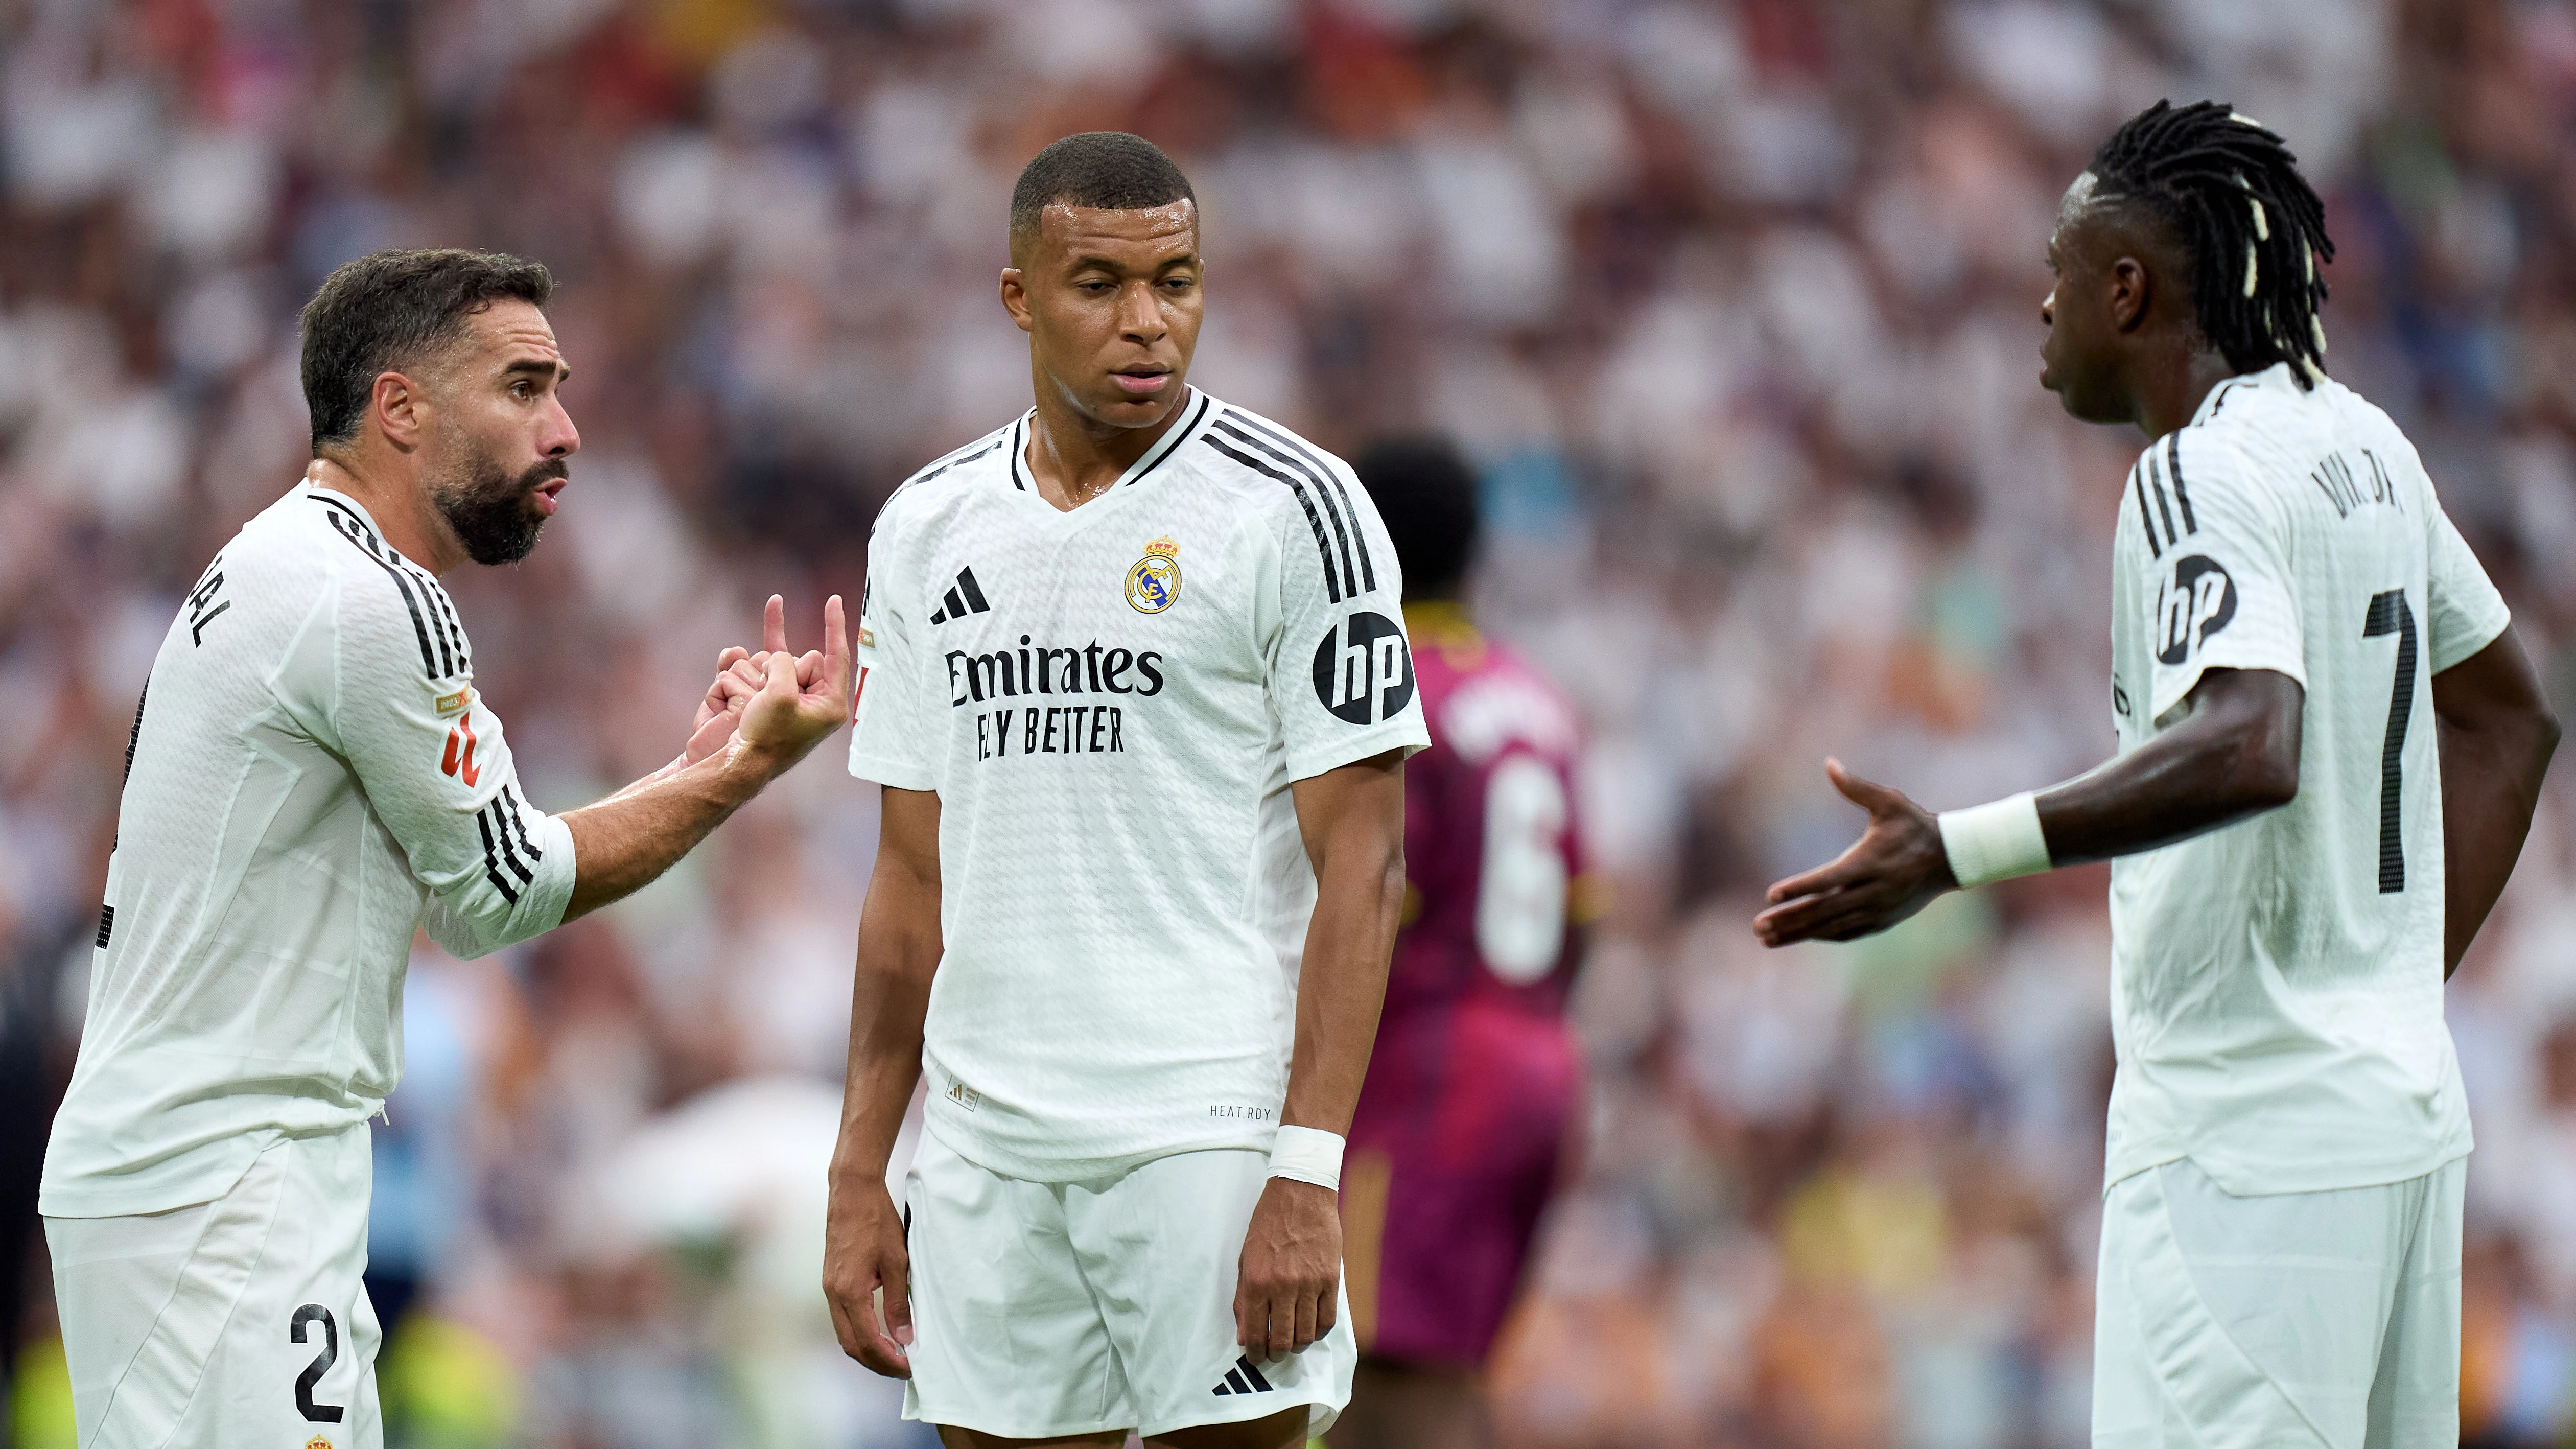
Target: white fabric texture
column 200, row 1327
column 2277, row 985
column 2323, row 1318
column 311, row 778
column 1112, row 704
column 1042, row 1309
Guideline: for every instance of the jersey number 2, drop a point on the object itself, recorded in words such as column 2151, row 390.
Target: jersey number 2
column 2390, row 615
column 315, row 1313
column 1520, row 897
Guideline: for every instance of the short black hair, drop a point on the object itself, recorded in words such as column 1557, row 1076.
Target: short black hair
column 1108, row 170
column 2231, row 193
column 384, row 310
column 1425, row 491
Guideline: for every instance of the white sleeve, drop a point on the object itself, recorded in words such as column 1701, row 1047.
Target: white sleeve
column 399, row 705
column 2467, row 613
column 2214, row 586
column 1340, row 668
column 894, row 734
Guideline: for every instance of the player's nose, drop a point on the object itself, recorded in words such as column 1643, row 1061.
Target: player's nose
column 559, row 438
column 2048, row 309
column 1140, row 314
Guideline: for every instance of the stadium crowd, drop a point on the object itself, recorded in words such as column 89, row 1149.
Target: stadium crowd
column 1734, row 302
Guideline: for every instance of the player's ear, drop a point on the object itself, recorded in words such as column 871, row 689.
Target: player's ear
column 2130, row 285
column 1015, row 297
column 398, row 406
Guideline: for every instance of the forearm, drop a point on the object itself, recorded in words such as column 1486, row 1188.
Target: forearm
column 899, row 949
column 889, row 1000
column 2491, row 776
column 1342, row 984
column 622, row 843
column 2234, row 758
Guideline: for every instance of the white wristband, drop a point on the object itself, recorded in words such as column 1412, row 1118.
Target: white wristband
column 1308, row 1154
column 1988, row 843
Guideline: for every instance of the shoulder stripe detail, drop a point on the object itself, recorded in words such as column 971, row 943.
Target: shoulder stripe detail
column 455, row 625
column 966, row 455
column 348, row 526
column 509, row 851
column 437, row 624
column 492, row 862
column 1172, row 444
column 1341, row 535
column 1324, row 471
column 1323, row 546
column 2156, row 479
column 2146, row 520
column 519, row 823
column 2182, row 495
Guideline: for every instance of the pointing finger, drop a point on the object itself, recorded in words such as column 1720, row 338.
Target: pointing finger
column 773, row 624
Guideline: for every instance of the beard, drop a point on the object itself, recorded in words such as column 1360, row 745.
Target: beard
column 493, row 511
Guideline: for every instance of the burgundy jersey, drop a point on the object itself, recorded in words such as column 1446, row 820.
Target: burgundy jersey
column 1467, row 1120
column 1491, row 863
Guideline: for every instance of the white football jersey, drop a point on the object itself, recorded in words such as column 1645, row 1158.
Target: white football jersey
column 2277, row 985
column 309, row 774
column 1111, row 704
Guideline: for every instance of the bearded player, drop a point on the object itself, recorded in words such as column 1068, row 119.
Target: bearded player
column 2330, row 746
column 1134, row 678
column 1474, row 1095
column 312, row 777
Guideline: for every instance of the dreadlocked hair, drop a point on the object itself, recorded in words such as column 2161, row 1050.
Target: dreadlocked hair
column 2232, row 194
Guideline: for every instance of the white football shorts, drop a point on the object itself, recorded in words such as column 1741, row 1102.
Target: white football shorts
column 2311, row 1318
column 1042, row 1309
column 236, row 1322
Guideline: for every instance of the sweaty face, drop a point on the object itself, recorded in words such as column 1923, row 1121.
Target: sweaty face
column 1111, row 302
column 502, row 437
column 2077, row 359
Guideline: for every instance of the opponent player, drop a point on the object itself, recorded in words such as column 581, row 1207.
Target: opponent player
column 2330, row 748
column 1473, row 1095
column 311, row 778
column 1132, row 674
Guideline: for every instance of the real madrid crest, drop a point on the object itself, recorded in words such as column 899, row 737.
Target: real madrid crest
column 1155, row 581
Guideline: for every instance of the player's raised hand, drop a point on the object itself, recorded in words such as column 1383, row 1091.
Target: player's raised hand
column 1895, row 869
column 801, row 699
column 867, row 1278
column 737, row 680
column 1287, row 1285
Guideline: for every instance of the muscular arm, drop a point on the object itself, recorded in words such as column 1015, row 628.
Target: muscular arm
column 2236, row 756
column 899, row 948
column 1352, row 821
column 2496, row 738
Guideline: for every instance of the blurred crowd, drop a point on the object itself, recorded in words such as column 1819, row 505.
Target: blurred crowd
column 1734, row 302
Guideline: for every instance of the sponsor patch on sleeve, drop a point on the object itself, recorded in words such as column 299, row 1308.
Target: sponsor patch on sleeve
column 454, row 703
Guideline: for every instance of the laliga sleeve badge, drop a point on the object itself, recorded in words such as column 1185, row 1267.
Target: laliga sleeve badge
column 1155, row 581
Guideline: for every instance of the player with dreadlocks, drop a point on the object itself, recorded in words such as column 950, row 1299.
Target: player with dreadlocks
column 2330, row 745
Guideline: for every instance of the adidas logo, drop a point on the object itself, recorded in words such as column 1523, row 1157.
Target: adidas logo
column 963, row 598
column 1243, row 1378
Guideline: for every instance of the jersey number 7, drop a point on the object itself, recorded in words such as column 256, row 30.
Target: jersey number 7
column 2390, row 615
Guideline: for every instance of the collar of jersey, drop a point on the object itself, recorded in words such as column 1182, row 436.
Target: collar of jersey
column 316, row 490
column 2275, row 376
column 1196, row 408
